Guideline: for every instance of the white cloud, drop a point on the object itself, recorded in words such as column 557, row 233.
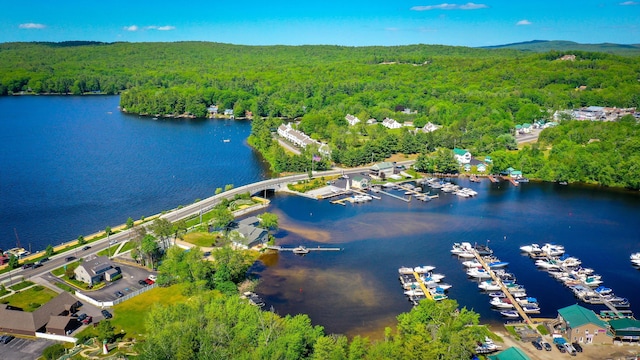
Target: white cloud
column 161, row 28
column 629, row 3
column 131, row 28
column 32, row 26
column 445, row 6
column 523, row 22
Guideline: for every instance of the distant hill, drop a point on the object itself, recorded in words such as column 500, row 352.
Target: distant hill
column 559, row 45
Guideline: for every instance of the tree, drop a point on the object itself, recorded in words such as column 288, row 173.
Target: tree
column 53, row 352
column 106, row 331
column 221, row 217
column 228, row 187
column 149, row 248
column 268, row 221
column 218, row 191
column 163, row 229
column 130, row 223
column 49, row 251
column 81, row 240
column 13, row 262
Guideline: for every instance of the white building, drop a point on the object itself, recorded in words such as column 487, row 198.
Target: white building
column 462, row 156
column 352, row 120
column 391, row 124
column 301, row 139
column 430, row 127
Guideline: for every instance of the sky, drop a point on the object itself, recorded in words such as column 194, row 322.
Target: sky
column 346, row 22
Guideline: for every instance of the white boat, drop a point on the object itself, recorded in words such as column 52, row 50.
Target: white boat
column 405, row 270
column 570, row 261
column 487, row 347
column 471, row 264
column 423, row 269
column 530, row 308
column 478, row 273
column 462, row 194
column 498, row 294
column 635, row 256
column 461, row 247
column 414, row 292
column 552, row 249
column 443, row 286
column 226, row 140
column 547, row 264
column 465, row 255
column 300, row 250
column 635, row 262
column 531, row 249
column 432, row 277
column 489, row 286
column 510, row 313
column 501, row 303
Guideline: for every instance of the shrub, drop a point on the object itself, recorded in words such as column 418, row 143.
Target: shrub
column 53, row 352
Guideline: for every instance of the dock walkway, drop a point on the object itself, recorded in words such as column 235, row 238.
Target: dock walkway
column 426, row 291
column 395, row 196
column 280, row 248
column 504, row 289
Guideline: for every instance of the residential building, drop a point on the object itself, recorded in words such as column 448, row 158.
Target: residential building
column 372, row 121
column 391, row 124
column 481, row 167
column 352, row 120
column 462, row 156
column 430, row 127
column 212, row 110
column 625, row 329
column 249, row 233
column 301, row 139
column 581, row 325
column 96, row 269
column 52, row 317
column 228, row 112
column 408, row 123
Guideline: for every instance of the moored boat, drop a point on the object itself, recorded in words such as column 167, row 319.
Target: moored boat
column 531, row 249
column 423, row 269
column 510, row 313
column 300, row 250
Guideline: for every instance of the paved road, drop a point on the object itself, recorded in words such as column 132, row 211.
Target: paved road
column 205, row 205
column 531, row 137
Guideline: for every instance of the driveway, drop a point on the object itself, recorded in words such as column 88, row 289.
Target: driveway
column 24, row 349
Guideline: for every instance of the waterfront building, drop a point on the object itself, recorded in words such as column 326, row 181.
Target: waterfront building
column 512, row 353
column 581, row 325
column 625, row 329
column 462, row 156
column 249, row 233
column 386, row 168
column 95, row 270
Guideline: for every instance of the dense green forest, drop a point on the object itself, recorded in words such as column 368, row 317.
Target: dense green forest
column 477, row 95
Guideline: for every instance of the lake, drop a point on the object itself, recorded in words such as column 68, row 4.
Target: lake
column 74, row 165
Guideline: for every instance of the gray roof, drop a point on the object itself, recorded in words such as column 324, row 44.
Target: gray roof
column 32, row 321
column 96, row 265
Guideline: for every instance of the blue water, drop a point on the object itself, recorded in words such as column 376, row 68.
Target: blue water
column 71, row 166
column 74, row 165
column 357, row 291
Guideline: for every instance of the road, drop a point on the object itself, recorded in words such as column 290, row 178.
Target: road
column 530, row 137
column 205, row 205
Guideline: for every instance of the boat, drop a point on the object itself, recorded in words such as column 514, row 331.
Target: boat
column 552, row 249
column 478, row 273
column 414, row 292
column 498, row 264
column 226, row 140
column 300, row 250
column 465, row 255
column 431, row 277
column 497, row 294
column 463, row 247
column 253, row 298
column 603, row 290
column 471, row 264
column 501, row 303
column 531, row 249
column 489, row 286
column 474, row 178
column 510, row 313
column 635, row 256
column 486, row 347
column 530, row 308
column 405, row 270
column 423, row 269
column 522, row 180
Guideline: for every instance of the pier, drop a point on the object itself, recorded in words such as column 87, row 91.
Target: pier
column 395, row 196
column 426, row 291
column 280, row 248
column 511, row 180
column 504, row 289
column 493, row 180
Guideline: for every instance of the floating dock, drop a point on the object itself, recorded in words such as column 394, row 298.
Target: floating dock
column 493, row 180
column 426, row 291
column 280, row 248
column 395, row 196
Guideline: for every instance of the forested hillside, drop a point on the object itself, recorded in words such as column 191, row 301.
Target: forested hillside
column 477, row 95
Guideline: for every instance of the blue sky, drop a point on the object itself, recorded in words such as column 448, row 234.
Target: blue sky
column 346, row 22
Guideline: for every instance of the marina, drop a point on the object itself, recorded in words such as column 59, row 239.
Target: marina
column 421, row 283
column 303, row 249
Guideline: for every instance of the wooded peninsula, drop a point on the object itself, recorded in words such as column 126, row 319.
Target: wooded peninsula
column 476, row 96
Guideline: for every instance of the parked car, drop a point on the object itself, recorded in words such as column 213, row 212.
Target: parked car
column 536, row 344
column 87, row 320
column 149, row 281
column 27, row 266
column 82, row 316
column 5, row 339
column 577, row 346
column 106, row 314
column 85, row 248
column 44, row 259
column 561, row 348
column 570, row 349
column 546, row 346
column 153, row 277
column 142, row 282
column 37, row 265
column 119, row 294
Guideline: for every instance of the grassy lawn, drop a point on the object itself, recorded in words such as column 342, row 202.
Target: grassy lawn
column 308, row 185
column 31, row 299
column 4, row 291
column 130, row 315
column 202, row 239
column 60, row 271
column 130, row 245
column 108, row 251
column 65, row 287
column 20, row 285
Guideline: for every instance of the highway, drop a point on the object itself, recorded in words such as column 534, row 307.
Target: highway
column 188, row 211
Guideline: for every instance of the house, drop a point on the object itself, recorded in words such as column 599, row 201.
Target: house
column 526, row 127
column 52, row 317
column 386, row 168
column 568, row 57
column 408, row 123
column 228, row 112
column 430, row 127
column 96, row 269
column 249, row 233
column 512, row 353
column 462, row 156
column 352, row 120
column 372, row 121
column 516, row 174
column 625, row 329
column 481, row 167
column 248, row 114
column 582, row 325
column 391, row 124
column 301, row 139
column 467, row 167
column 360, row 182
column 324, row 149
column 212, row 110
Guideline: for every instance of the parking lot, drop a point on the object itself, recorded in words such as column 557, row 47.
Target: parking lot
column 23, row 349
column 126, row 285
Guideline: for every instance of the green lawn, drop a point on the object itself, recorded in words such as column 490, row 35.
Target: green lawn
column 108, row 251
column 130, row 315
column 20, row 285
column 202, row 239
column 130, row 245
column 60, row 271
column 65, row 287
column 31, row 299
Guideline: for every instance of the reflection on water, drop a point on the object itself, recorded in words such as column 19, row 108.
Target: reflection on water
column 356, row 291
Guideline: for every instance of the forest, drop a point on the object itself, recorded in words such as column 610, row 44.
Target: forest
column 476, row 95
